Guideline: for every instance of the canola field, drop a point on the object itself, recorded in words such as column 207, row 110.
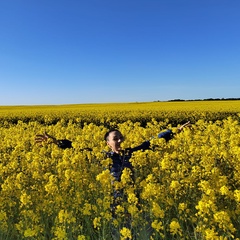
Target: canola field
column 187, row 188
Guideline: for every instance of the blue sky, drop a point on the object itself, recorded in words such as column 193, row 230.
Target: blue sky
column 92, row 51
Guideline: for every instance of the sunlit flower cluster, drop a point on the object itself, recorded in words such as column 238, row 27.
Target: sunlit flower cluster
column 187, row 188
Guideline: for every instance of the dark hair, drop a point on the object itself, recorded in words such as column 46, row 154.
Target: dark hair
column 109, row 131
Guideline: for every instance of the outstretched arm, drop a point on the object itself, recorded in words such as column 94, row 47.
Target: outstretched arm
column 45, row 138
column 64, row 143
column 187, row 124
column 168, row 134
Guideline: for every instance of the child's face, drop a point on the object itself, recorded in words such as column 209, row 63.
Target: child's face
column 114, row 141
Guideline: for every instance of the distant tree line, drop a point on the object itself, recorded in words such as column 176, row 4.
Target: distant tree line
column 206, row 99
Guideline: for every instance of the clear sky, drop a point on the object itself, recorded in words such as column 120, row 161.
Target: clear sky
column 100, row 51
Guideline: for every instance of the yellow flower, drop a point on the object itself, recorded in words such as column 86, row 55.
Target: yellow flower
column 87, row 209
column 182, row 207
column 175, row 228
column 210, row 234
column 97, row 222
column 29, row 233
column 81, row 237
column 3, row 220
column 104, row 177
column 125, row 233
column 237, row 195
column 133, row 210
column 68, row 174
column 166, row 163
column 205, row 206
column 132, row 199
column 175, row 185
column 65, row 216
column 224, row 190
column 157, row 225
column 60, row 233
column 25, row 199
column 224, row 221
column 157, row 211
column 126, row 178
column 51, row 187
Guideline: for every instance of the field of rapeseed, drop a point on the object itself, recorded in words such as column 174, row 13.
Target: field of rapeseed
column 187, row 188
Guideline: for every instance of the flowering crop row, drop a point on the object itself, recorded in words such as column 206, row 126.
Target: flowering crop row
column 187, row 188
column 100, row 114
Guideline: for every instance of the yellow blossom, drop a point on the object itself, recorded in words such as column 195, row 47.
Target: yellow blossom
column 175, row 185
column 157, row 225
column 29, row 233
column 224, row 221
column 210, row 234
column 125, row 233
column 157, row 211
column 175, row 228
column 60, row 233
column 237, row 195
column 132, row 199
column 224, row 190
column 81, row 237
column 87, row 209
column 97, row 222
